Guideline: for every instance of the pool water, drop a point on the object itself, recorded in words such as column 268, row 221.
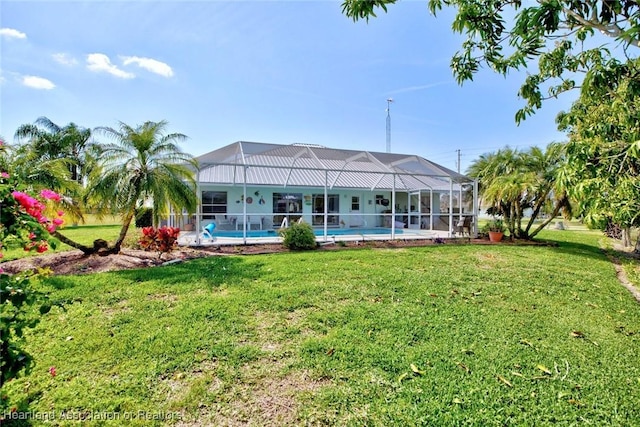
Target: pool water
column 316, row 231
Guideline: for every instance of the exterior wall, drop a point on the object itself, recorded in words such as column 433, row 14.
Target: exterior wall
column 260, row 203
column 432, row 214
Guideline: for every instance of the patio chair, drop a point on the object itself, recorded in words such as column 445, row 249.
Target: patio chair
column 257, row 221
column 464, row 225
column 207, row 231
column 223, row 223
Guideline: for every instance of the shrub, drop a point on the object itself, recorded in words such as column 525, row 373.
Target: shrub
column 163, row 240
column 495, row 225
column 132, row 241
column 299, row 236
column 23, row 219
column 144, row 217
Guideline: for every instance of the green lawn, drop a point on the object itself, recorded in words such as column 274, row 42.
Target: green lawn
column 94, row 227
column 486, row 335
column 84, row 234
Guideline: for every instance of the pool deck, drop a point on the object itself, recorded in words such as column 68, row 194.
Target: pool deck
column 189, row 238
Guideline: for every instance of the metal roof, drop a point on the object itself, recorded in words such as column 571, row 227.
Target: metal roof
column 300, row 165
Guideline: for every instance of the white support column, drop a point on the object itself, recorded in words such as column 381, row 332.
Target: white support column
column 326, row 204
column 244, row 206
column 393, row 208
column 431, row 210
column 198, row 208
column 460, row 202
column 450, row 207
column 475, row 208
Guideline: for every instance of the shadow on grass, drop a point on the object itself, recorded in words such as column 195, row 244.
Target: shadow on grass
column 216, row 270
column 577, row 248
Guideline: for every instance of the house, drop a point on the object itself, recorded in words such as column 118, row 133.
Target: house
column 251, row 189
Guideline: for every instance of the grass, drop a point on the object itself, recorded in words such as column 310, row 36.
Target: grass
column 439, row 335
column 84, row 234
column 94, row 227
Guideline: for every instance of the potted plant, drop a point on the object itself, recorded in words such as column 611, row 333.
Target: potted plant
column 496, row 229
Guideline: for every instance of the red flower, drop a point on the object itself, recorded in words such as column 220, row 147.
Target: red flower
column 52, row 371
column 42, row 247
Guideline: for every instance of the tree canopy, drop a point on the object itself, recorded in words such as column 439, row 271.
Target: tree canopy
column 506, row 35
column 514, row 183
column 142, row 165
column 603, row 173
column 55, row 157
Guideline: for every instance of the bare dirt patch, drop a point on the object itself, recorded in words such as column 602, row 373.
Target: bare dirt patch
column 75, row 262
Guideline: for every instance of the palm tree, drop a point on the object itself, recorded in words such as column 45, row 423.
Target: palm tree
column 512, row 181
column 71, row 142
column 55, row 157
column 142, row 165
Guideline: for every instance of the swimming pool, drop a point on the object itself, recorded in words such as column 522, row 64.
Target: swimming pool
column 317, row 231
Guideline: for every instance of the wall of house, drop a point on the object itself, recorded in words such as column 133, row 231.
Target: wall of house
column 260, row 203
column 433, row 214
column 260, row 208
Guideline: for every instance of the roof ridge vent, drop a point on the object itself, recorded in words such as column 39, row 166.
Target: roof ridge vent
column 302, row 144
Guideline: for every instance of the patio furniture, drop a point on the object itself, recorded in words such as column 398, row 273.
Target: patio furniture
column 257, row 221
column 207, row 231
column 223, row 223
column 464, row 224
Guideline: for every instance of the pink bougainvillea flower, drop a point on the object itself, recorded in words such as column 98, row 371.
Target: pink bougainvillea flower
column 60, row 213
column 4, row 175
column 30, row 205
column 52, row 371
column 50, row 195
column 51, row 228
column 58, row 221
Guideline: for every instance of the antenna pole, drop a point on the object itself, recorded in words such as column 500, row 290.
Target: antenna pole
column 389, row 101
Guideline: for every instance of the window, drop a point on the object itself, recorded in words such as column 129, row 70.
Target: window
column 355, row 204
column 333, row 207
column 213, row 202
column 286, row 205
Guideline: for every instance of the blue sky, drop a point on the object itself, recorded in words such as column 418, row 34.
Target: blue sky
column 268, row 71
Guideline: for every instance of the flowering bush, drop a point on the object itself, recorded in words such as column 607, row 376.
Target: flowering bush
column 23, row 219
column 163, row 240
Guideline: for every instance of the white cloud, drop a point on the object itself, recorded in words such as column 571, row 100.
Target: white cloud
column 37, row 82
column 11, row 33
column 149, row 64
column 64, row 59
column 99, row 62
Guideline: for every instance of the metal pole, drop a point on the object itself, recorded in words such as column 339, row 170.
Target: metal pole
column 326, row 204
column 389, row 101
column 198, row 208
column 475, row 208
column 450, row 207
column 244, row 206
column 393, row 209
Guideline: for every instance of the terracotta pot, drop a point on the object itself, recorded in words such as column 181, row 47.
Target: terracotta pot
column 495, row 236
